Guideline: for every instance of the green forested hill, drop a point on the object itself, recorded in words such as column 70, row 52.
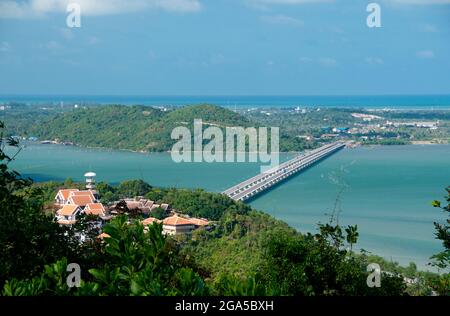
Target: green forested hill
column 111, row 126
column 208, row 113
column 137, row 128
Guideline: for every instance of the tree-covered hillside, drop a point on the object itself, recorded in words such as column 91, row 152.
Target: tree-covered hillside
column 112, row 126
column 137, row 128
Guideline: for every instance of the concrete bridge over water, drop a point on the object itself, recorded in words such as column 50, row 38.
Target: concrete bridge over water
column 263, row 181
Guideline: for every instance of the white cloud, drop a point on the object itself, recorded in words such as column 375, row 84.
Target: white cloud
column 264, row 5
column 71, row 62
column 178, row 5
column 66, row 33
column 93, row 40
column 323, row 61
column 292, row 2
column 305, row 60
column 53, row 46
column 152, row 55
column 5, row 47
column 282, row 19
column 328, row 62
column 217, row 59
column 213, row 60
column 425, row 54
column 37, row 8
column 428, row 28
column 337, row 30
column 420, row 2
column 374, row 60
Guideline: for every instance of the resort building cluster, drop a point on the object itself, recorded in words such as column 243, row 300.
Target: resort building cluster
column 71, row 203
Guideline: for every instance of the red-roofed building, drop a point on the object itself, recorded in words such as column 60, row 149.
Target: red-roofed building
column 63, row 196
column 175, row 225
column 84, row 193
column 67, row 214
column 80, row 200
column 94, row 209
column 150, row 221
column 199, row 222
column 66, row 222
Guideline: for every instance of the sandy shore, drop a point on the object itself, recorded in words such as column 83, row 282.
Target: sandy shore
column 424, row 142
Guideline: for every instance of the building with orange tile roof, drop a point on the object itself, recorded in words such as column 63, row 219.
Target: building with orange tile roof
column 68, row 212
column 63, row 195
column 83, row 193
column 80, row 200
column 66, row 222
column 199, row 222
column 94, row 209
column 175, row 225
column 150, row 220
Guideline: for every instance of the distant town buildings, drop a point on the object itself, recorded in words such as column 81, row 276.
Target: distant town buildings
column 430, row 125
column 325, row 136
column 306, row 137
column 366, row 117
column 368, row 130
column 340, row 129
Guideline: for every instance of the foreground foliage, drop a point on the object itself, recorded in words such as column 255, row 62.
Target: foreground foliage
column 442, row 259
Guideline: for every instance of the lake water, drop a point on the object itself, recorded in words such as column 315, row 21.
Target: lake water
column 387, row 192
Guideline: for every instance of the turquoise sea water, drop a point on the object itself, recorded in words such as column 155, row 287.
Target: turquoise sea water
column 377, row 101
column 387, row 193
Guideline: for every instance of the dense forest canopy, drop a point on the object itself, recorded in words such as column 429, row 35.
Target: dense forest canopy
column 137, row 128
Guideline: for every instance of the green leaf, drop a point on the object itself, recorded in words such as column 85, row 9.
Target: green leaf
column 436, row 203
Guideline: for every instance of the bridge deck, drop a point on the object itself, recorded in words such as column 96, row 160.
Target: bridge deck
column 267, row 179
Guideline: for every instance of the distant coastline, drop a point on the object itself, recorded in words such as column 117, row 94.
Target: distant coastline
column 413, row 143
column 145, row 129
column 369, row 102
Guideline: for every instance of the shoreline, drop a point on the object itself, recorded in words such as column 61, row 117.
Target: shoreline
column 413, row 143
column 367, row 102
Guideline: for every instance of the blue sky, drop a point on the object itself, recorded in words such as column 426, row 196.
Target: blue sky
column 225, row 47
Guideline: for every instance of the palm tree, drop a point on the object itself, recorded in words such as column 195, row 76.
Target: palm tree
column 352, row 235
